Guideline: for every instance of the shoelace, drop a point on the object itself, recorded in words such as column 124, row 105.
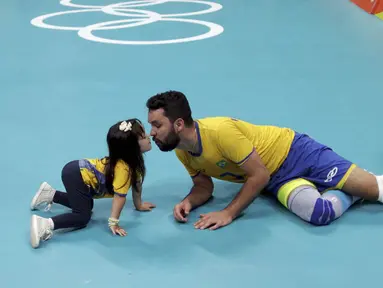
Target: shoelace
column 45, row 233
column 48, row 207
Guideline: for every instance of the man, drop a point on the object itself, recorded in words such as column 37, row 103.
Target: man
column 308, row 178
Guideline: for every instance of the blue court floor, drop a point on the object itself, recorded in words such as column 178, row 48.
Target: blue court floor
column 315, row 66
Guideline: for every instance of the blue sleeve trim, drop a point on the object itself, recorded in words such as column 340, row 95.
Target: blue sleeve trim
column 195, row 175
column 121, row 195
column 247, row 157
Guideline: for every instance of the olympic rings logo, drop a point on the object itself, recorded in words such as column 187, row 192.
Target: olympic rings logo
column 137, row 17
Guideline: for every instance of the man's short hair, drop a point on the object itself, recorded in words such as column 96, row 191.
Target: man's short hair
column 174, row 104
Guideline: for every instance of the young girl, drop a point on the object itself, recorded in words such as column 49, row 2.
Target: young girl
column 88, row 179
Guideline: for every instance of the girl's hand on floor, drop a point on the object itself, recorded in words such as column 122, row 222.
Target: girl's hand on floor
column 118, row 230
column 146, row 206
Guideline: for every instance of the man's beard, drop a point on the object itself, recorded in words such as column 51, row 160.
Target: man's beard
column 170, row 143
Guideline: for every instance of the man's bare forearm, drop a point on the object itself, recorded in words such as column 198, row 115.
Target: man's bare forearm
column 249, row 191
column 199, row 195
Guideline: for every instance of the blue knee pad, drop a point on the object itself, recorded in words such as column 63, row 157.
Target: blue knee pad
column 346, row 199
column 323, row 212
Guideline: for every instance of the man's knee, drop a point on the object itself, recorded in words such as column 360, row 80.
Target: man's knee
column 306, row 202
column 323, row 212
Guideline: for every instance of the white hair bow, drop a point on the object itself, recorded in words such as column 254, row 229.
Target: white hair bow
column 125, row 126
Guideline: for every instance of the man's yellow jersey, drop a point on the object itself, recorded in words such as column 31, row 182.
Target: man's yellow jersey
column 226, row 143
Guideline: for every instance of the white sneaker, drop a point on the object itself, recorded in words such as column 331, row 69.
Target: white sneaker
column 41, row 230
column 44, row 195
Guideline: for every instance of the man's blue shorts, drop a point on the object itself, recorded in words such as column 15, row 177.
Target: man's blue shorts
column 310, row 161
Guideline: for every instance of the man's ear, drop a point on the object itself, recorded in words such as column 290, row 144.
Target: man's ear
column 179, row 125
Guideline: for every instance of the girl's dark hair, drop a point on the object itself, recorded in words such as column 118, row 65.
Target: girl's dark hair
column 124, row 146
